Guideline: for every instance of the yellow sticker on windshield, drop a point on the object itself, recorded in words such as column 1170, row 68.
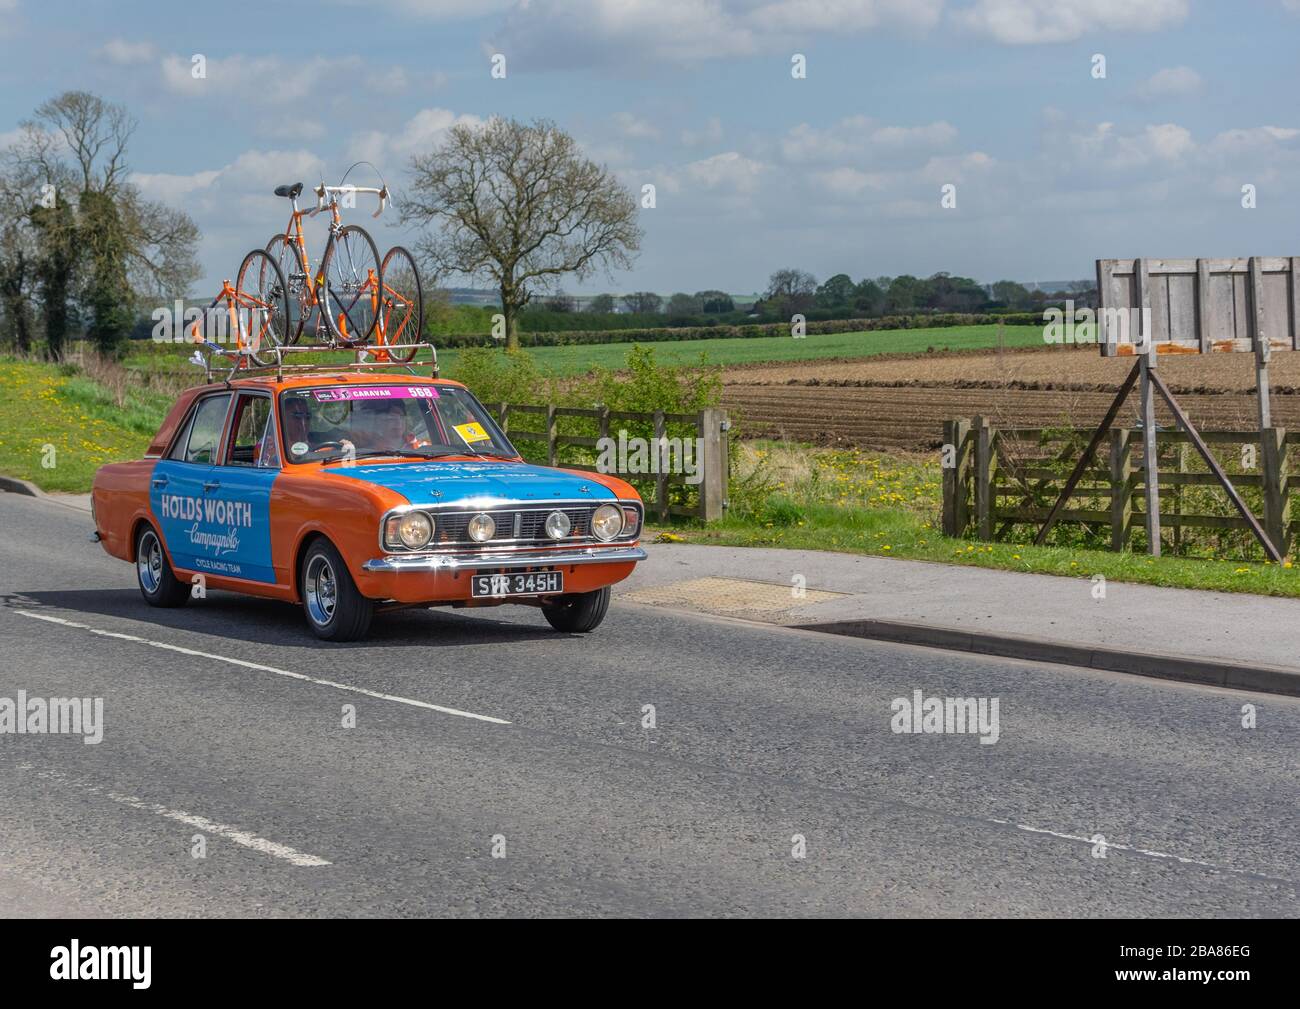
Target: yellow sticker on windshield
column 472, row 432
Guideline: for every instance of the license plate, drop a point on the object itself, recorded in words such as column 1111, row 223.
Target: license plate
column 523, row 583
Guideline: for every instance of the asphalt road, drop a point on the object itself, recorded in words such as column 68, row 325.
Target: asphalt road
column 224, row 720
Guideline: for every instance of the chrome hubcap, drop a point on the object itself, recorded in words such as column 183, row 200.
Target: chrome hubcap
column 321, row 590
column 148, row 562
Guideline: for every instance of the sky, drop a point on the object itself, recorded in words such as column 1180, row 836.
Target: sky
column 755, row 169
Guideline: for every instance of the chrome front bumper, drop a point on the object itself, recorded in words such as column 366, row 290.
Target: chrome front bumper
column 505, row 561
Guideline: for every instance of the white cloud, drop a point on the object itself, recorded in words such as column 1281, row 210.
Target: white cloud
column 710, row 134
column 863, row 139
column 730, row 170
column 125, row 53
column 267, row 79
column 544, row 34
column 1022, row 22
column 421, row 132
column 1253, row 140
column 635, row 127
column 1172, row 82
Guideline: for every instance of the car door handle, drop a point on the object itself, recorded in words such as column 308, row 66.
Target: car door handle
column 211, row 484
column 160, row 482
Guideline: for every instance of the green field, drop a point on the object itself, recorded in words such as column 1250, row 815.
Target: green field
column 58, row 427
column 576, row 360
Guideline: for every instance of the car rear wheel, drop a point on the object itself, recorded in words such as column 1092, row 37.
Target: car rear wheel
column 158, row 583
column 578, row 614
column 336, row 610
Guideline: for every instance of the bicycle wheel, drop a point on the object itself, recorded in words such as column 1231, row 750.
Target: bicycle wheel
column 288, row 257
column 401, row 309
column 351, row 280
column 262, row 305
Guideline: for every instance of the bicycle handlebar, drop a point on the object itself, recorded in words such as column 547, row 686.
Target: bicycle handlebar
column 322, row 190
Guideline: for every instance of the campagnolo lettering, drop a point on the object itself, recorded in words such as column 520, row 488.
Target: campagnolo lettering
column 219, row 543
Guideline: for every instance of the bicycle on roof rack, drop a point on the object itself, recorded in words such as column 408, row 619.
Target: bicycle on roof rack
column 355, row 294
column 278, row 360
column 254, row 312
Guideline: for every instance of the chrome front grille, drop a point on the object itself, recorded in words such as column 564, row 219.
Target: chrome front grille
column 515, row 526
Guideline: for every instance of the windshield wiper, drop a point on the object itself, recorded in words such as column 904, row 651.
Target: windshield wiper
column 486, row 455
column 401, row 453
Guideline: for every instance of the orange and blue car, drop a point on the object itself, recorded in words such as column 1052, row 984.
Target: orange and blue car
column 351, row 493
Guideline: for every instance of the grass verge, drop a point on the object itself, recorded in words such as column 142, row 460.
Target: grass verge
column 58, row 426
column 860, row 502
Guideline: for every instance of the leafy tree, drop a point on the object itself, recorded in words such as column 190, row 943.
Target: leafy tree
column 904, row 294
column 602, row 304
column 836, row 292
column 683, row 304
column 561, row 302
column 95, row 243
column 519, row 204
column 1012, row 295
column 642, row 302
column 946, row 293
column 715, row 302
column 869, row 297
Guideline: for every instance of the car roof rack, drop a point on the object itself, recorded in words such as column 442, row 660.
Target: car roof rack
column 242, row 364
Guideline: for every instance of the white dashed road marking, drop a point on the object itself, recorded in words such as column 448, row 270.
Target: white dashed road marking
column 242, row 837
column 261, row 668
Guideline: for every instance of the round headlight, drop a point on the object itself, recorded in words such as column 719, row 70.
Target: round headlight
column 415, row 530
column 558, row 525
column 481, row 527
column 607, row 522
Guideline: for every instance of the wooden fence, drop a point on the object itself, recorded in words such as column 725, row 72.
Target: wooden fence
column 997, row 478
column 665, row 493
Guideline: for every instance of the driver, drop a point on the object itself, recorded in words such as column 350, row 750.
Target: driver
column 381, row 426
column 297, row 425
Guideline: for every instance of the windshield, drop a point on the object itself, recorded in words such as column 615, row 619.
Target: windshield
column 376, row 420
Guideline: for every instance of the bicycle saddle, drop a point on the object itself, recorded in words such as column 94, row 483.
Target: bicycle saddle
column 291, row 192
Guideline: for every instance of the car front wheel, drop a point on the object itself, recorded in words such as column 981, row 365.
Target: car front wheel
column 336, row 610
column 580, row 613
column 158, row 583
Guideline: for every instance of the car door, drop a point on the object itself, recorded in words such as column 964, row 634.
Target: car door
column 179, row 485
column 239, row 489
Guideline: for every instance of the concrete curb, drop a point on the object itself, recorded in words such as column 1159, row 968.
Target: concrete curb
column 1258, row 678
column 15, row 486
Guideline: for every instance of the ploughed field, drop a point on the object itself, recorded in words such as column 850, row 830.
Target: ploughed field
column 901, row 402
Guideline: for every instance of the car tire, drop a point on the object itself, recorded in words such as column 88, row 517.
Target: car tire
column 578, row 614
column 335, row 609
column 158, row 583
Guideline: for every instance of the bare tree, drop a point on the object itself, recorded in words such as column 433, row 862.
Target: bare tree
column 790, row 291
column 518, row 204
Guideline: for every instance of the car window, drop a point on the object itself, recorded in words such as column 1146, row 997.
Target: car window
column 182, row 439
column 373, row 419
column 252, row 414
column 205, row 429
